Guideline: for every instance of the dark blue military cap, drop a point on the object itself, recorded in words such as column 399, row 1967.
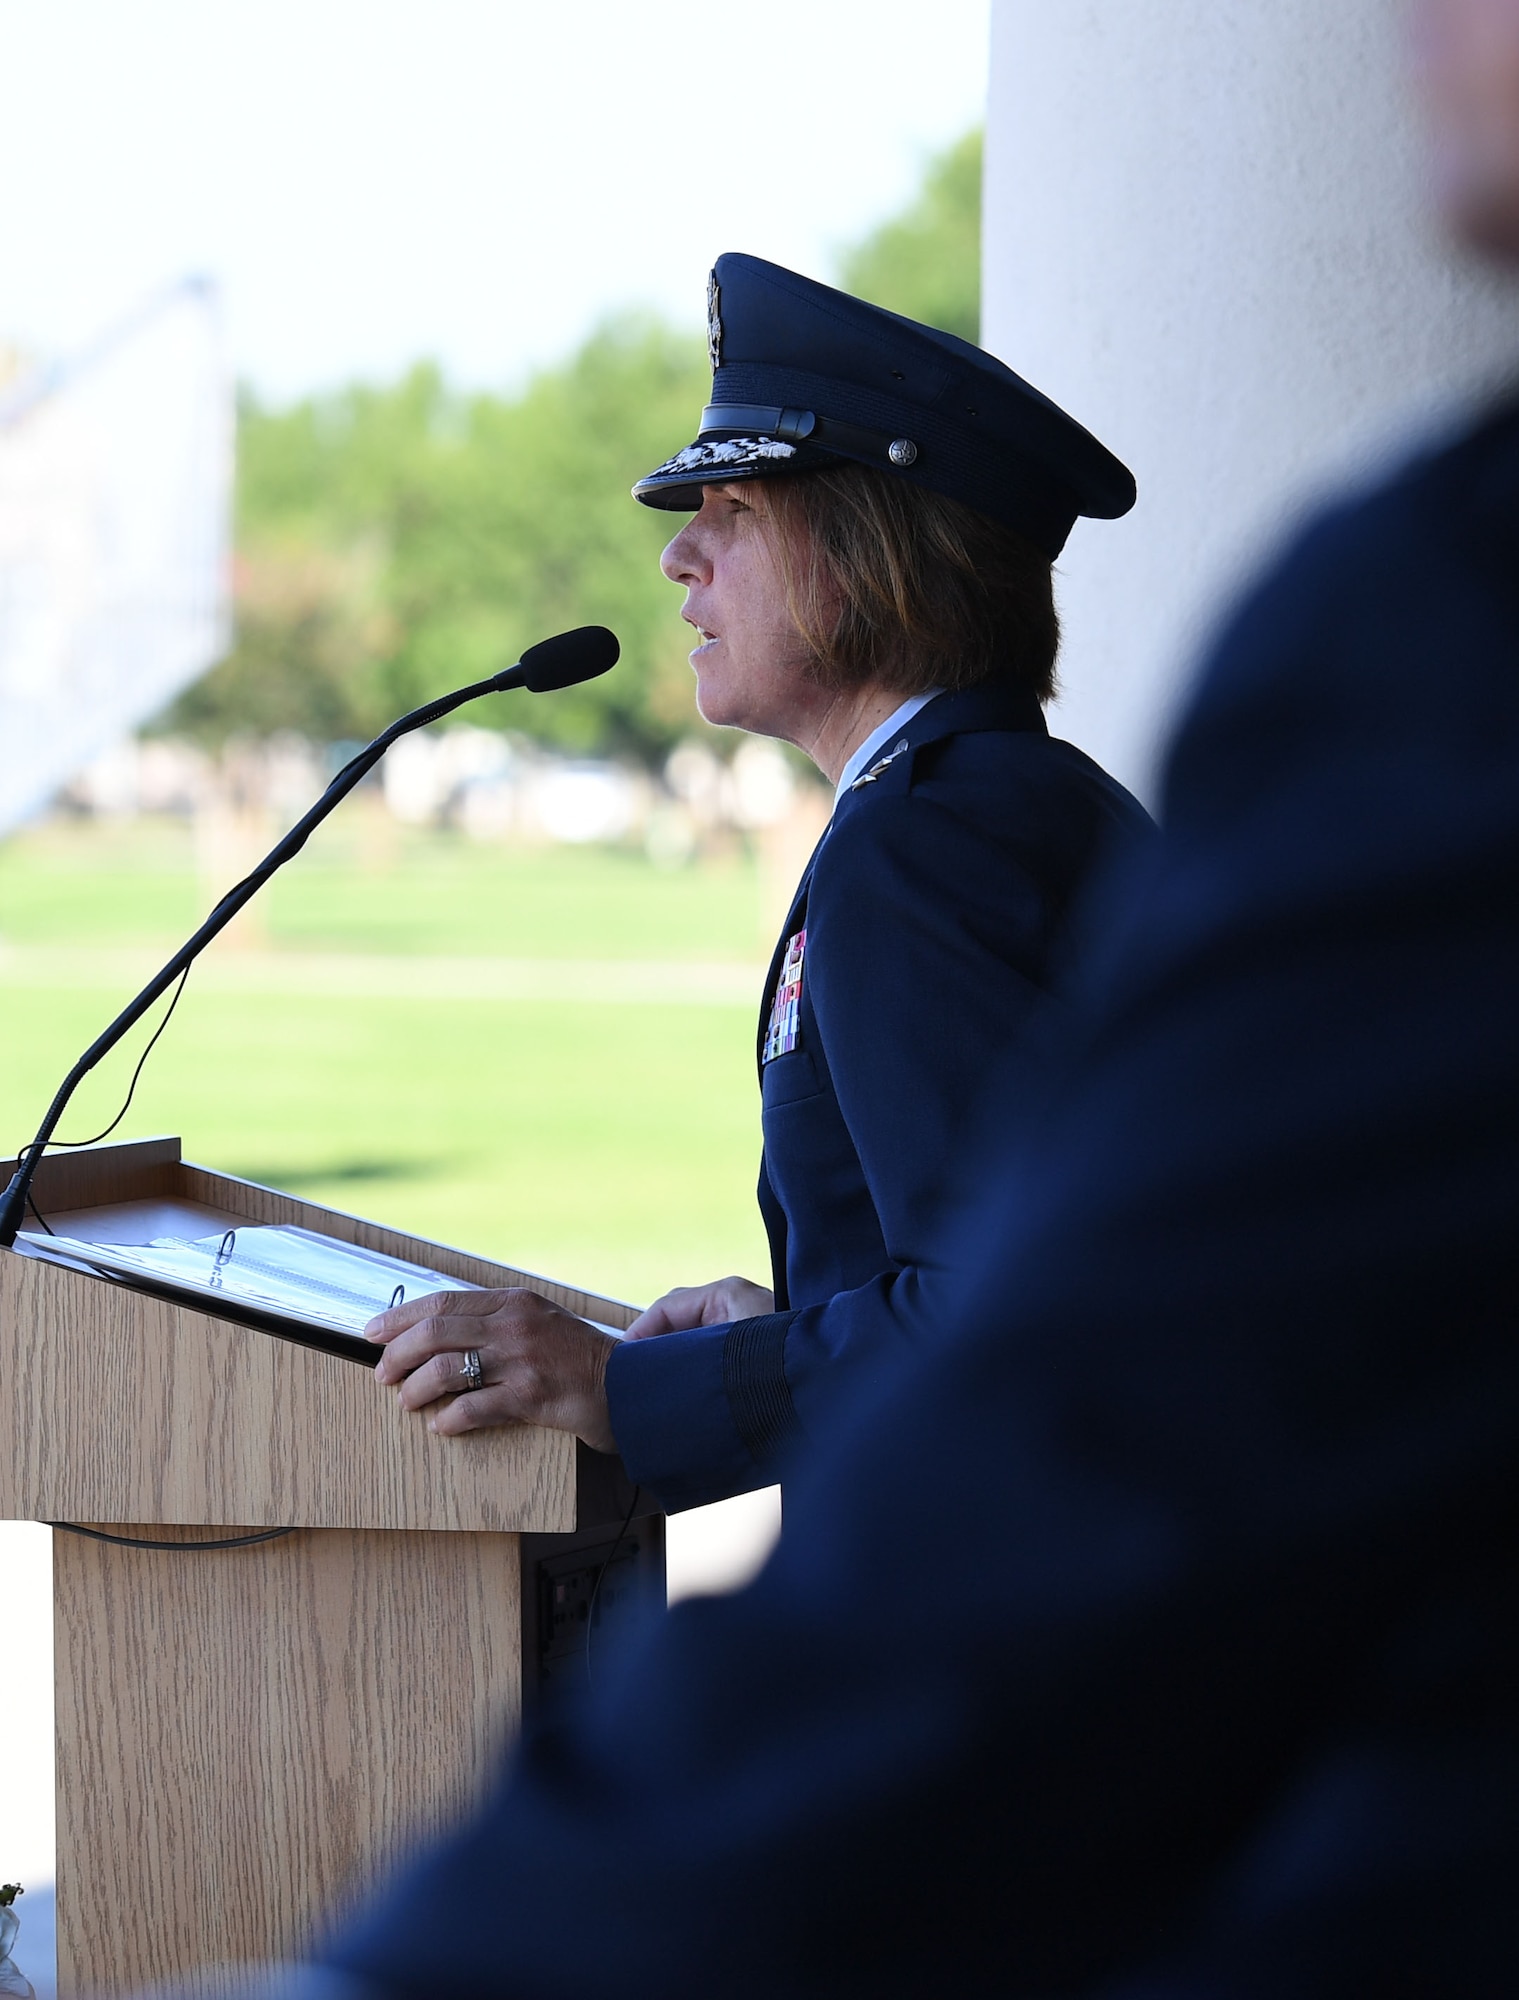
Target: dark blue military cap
column 803, row 376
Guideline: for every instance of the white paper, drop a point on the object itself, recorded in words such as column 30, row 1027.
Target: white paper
column 293, row 1272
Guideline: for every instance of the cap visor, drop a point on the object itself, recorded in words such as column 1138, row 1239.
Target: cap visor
column 710, row 461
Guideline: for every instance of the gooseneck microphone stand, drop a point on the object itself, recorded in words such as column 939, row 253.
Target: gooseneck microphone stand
column 554, row 663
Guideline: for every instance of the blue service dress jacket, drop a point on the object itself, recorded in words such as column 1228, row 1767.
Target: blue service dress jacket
column 926, row 931
column 1155, row 1635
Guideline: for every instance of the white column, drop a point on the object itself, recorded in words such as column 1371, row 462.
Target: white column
column 1206, row 236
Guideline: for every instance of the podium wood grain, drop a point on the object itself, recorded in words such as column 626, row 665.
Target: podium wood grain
column 119, row 1406
column 245, row 1737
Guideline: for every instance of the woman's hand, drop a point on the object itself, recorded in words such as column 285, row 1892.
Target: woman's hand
column 539, row 1364
column 702, row 1305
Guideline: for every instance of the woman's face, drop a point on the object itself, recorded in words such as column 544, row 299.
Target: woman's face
column 751, row 665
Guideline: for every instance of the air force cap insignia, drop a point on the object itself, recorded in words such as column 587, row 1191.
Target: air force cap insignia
column 714, row 322
column 806, row 378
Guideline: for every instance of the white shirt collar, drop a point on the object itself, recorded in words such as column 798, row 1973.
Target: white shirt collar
column 877, row 740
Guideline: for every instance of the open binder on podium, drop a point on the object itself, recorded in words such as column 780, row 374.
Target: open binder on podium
column 291, row 1281
column 246, row 1735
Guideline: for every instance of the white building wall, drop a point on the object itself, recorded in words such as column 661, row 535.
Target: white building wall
column 1207, row 238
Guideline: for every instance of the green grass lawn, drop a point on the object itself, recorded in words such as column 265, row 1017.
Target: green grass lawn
column 611, row 1143
column 364, row 884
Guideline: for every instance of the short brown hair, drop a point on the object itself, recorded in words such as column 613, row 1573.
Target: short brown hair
column 889, row 582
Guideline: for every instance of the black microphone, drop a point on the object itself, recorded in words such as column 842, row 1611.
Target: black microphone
column 564, row 661
column 553, row 663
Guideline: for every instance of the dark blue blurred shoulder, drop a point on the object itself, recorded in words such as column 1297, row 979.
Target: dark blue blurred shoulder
column 1423, row 517
column 1370, row 619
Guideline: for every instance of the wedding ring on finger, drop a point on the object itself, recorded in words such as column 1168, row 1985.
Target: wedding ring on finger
column 471, row 1374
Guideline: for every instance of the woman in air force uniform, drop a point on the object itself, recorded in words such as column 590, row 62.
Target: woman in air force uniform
column 875, row 509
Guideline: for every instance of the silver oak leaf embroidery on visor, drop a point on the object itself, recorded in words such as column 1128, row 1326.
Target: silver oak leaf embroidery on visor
column 731, row 451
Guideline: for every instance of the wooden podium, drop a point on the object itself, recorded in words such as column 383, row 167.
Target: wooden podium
column 247, row 1736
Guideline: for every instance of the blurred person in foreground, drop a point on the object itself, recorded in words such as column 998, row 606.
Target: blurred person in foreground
column 1191, row 1670
column 877, row 507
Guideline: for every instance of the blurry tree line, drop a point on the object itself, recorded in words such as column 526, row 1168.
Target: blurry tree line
column 394, row 542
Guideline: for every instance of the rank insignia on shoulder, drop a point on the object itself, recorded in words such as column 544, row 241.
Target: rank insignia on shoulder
column 785, row 1028
column 869, row 777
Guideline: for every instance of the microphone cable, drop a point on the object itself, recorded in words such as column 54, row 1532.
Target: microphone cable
column 175, row 1548
column 607, row 1562
column 555, row 663
column 31, row 1144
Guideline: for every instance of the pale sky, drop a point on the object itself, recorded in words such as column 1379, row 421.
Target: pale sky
column 474, row 180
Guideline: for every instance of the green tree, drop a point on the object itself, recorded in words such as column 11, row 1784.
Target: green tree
column 393, row 542
column 926, row 262
column 526, row 528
